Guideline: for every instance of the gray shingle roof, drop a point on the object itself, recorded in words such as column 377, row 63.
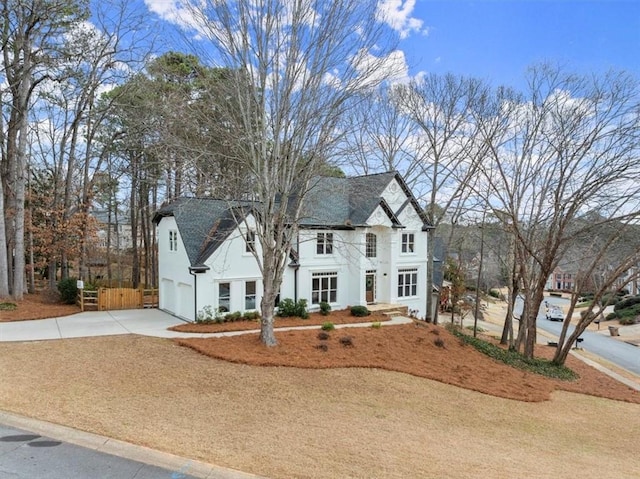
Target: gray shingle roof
column 330, row 203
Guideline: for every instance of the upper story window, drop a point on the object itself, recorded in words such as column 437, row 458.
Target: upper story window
column 408, row 243
column 173, row 240
column 371, row 246
column 324, row 243
column 250, row 241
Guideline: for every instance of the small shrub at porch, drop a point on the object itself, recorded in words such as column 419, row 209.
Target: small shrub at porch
column 325, row 309
column 359, row 311
column 287, row 308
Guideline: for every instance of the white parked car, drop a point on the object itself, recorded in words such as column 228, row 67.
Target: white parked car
column 554, row 313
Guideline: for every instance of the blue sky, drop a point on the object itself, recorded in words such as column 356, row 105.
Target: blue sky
column 496, row 40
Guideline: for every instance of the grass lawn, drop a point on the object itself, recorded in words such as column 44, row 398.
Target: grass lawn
column 323, row 422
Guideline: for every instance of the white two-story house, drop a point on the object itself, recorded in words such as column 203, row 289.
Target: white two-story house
column 362, row 240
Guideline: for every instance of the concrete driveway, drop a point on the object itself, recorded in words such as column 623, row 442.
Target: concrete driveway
column 146, row 322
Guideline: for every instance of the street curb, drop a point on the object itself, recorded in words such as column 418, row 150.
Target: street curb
column 180, row 465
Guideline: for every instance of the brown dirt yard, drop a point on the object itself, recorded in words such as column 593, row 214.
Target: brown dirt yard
column 37, row 306
column 371, row 410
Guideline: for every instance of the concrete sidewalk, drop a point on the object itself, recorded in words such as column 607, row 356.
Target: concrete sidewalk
column 145, row 322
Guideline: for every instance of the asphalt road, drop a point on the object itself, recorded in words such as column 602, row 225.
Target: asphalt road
column 620, row 353
column 24, row 455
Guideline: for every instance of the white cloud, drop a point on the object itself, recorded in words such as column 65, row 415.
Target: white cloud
column 397, row 14
column 374, row 70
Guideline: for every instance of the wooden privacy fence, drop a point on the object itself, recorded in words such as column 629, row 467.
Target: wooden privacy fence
column 106, row 299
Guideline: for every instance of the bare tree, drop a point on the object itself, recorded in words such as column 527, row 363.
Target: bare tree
column 606, row 258
column 297, row 66
column 445, row 109
column 568, row 146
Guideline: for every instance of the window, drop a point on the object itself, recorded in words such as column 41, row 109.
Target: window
column 324, row 287
column 408, row 241
column 407, row 282
column 224, row 297
column 173, row 240
column 371, row 247
column 250, row 295
column 250, row 241
column 324, row 243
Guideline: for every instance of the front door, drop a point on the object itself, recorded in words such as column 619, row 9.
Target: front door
column 370, row 288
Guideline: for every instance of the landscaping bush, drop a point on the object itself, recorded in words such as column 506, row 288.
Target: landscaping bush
column 376, row 325
column 251, row 315
column 439, row 342
column 325, row 309
column 628, row 320
column 287, row 308
column 68, row 288
column 323, row 335
column 494, row 293
column 328, row 326
column 610, row 316
column 208, row 315
column 346, row 341
column 7, row 306
column 231, row 317
column 360, row 311
column 627, row 303
column 323, row 347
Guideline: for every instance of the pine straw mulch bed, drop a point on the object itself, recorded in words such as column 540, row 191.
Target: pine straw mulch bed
column 418, row 349
column 37, row 306
column 315, row 319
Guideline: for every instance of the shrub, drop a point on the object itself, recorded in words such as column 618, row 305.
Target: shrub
column 328, row 326
column 609, row 299
column 439, row 342
column 68, row 288
column 376, row 325
column 346, row 341
column 323, row 335
column 359, row 311
column 208, row 315
column 610, row 316
column 627, row 303
column 628, row 320
column 7, row 306
column 325, row 309
column 231, row 317
column 323, row 347
column 287, row 308
column 494, row 293
column 251, row 315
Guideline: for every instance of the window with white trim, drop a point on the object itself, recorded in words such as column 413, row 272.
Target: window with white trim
column 324, row 287
column 324, row 243
column 408, row 243
column 407, row 282
column 250, row 295
column 173, row 240
column 371, row 248
column 224, row 297
column 250, row 242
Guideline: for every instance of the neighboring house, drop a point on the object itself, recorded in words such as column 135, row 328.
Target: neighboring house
column 120, row 227
column 561, row 279
column 362, row 240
